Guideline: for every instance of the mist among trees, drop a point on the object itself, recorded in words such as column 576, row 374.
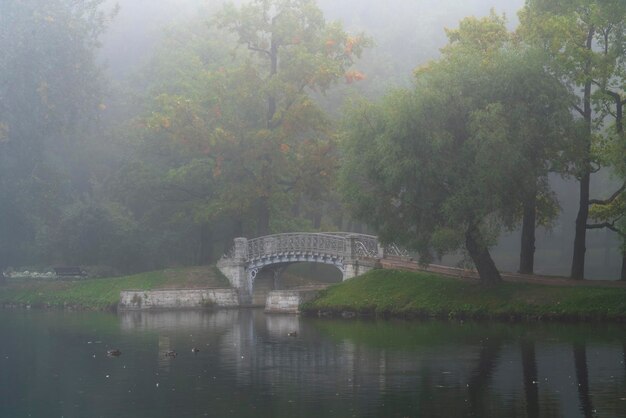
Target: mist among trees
column 137, row 135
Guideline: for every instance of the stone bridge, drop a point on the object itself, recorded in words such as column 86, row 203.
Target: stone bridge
column 352, row 254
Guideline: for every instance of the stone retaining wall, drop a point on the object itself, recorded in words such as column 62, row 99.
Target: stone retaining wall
column 288, row 301
column 178, row 299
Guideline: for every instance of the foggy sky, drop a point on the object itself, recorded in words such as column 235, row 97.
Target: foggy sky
column 415, row 26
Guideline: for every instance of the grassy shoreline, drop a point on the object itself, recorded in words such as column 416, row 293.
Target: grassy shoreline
column 102, row 294
column 382, row 293
column 394, row 293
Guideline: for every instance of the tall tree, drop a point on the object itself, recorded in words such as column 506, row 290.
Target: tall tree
column 611, row 212
column 295, row 52
column 49, row 93
column 540, row 139
column 182, row 148
column 445, row 166
column 209, row 153
column 585, row 41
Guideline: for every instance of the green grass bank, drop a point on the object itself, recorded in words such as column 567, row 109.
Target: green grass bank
column 385, row 293
column 415, row 294
column 102, row 294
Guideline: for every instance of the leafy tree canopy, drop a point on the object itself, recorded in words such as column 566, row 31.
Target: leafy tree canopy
column 240, row 135
column 585, row 42
column 50, row 91
column 442, row 167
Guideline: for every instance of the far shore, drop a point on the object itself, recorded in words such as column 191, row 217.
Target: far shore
column 381, row 293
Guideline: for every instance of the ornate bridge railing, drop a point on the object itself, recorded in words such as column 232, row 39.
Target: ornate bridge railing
column 334, row 244
column 394, row 250
column 317, row 243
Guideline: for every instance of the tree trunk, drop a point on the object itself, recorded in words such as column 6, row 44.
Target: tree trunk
column 619, row 122
column 237, row 228
column 527, row 250
column 479, row 253
column 263, row 210
column 205, row 245
column 3, row 279
column 339, row 221
column 263, row 217
column 295, row 209
column 271, row 100
column 578, row 259
column 317, row 220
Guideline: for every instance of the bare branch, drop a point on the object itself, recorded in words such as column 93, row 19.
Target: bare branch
column 579, row 110
column 289, row 185
column 609, row 111
column 608, row 225
column 597, row 84
column 595, row 169
column 257, row 49
column 614, row 95
column 610, row 199
column 369, row 123
column 277, row 122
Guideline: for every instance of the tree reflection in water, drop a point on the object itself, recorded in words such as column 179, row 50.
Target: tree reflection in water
column 480, row 378
column 248, row 365
column 582, row 375
column 529, row 367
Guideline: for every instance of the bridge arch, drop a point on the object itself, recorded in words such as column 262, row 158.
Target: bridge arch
column 279, row 276
column 352, row 254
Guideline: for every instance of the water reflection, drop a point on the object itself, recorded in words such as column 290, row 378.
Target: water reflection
column 582, row 375
column 134, row 321
column 531, row 379
column 480, row 378
column 249, row 365
column 413, row 368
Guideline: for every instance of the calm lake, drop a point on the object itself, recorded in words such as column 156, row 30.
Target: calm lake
column 54, row 364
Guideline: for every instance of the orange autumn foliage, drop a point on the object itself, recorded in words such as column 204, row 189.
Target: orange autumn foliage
column 350, row 42
column 354, row 75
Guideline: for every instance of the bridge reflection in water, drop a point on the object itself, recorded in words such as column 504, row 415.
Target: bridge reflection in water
column 402, row 368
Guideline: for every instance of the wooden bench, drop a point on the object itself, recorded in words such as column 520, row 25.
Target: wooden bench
column 69, row 271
